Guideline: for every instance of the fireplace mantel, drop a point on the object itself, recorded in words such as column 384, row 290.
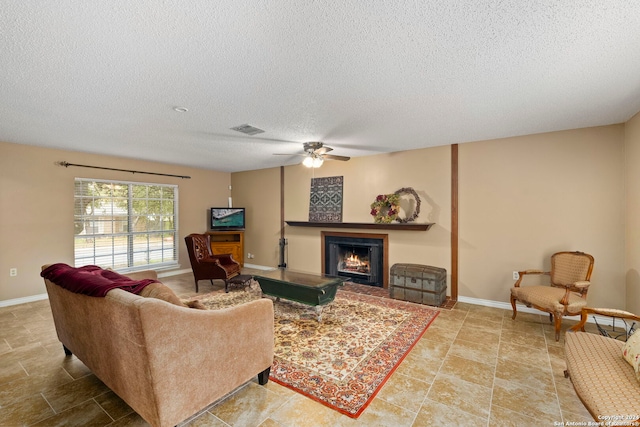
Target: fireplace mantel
column 363, row 225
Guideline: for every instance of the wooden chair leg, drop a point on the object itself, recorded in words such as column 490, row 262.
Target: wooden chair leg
column 513, row 304
column 557, row 325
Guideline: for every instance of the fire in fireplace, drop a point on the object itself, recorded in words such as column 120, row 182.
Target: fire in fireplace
column 352, row 262
column 358, row 259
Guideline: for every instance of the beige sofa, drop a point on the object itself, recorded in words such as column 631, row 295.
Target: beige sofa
column 605, row 382
column 166, row 361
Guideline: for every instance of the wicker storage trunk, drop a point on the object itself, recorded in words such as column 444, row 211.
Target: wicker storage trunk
column 423, row 284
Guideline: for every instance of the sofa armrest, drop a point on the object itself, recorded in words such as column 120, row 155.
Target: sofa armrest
column 204, row 354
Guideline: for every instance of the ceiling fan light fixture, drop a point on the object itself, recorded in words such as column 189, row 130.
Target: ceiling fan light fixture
column 315, row 153
column 313, row 161
column 317, row 162
column 308, row 161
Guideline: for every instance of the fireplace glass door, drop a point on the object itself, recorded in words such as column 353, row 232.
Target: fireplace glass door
column 359, row 260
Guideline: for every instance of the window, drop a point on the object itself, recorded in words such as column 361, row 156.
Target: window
column 125, row 225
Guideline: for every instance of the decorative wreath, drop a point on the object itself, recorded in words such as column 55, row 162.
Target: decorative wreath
column 416, row 211
column 385, row 208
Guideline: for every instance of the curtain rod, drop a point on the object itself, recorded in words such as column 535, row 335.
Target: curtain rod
column 67, row 164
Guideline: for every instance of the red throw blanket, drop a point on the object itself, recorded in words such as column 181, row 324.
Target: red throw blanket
column 91, row 280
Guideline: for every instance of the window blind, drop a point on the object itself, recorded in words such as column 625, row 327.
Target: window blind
column 125, row 225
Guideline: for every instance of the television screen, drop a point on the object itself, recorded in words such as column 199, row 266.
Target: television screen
column 227, row 219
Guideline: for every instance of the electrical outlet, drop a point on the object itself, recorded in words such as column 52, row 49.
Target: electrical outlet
column 516, row 276
column 13, row 272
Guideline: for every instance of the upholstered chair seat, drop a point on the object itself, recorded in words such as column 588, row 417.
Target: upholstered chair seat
column 549, row 297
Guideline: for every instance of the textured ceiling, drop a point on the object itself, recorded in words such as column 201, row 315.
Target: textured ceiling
column 362, row 76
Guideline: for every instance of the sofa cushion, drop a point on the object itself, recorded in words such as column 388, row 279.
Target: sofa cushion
column 602, row 378
column 161, row 291
column 631, row 353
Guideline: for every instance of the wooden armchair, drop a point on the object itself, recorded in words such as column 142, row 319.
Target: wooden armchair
column 567, row 294
column 207, row 266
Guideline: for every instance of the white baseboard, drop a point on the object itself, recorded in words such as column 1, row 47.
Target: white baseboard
column 495, row 304
column 259, row 267
column 602, row 320
column 23, row 300
column 174, row 272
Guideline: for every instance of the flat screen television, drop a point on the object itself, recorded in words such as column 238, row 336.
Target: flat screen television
column 226, row 219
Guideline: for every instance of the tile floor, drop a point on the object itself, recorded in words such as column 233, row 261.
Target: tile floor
column 473, row 367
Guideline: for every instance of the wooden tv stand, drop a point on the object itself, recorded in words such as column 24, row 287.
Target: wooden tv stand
column 228, row 242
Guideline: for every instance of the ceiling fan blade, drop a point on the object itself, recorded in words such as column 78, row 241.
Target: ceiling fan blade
column 323, row 150
column 333, row 157
column 316, row 150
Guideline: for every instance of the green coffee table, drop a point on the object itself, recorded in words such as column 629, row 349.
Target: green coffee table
column 309, row 289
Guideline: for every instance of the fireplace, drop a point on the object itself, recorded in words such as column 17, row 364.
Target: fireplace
column 358, row 257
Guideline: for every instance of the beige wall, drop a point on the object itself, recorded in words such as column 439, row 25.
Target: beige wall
column 36, row 207
column 524, row 198
column 521, row 199
column 259, row 192
column 632, row 259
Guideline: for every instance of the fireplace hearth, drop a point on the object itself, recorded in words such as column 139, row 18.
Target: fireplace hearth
column 360, row 258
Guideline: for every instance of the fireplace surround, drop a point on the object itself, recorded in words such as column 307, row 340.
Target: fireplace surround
column 358, row 257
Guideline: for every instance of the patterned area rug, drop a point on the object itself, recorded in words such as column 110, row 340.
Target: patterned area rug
column 345, row 360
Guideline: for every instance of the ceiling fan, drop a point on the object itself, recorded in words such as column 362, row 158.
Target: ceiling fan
column 315, row 153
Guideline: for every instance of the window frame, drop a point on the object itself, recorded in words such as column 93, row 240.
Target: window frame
column 133, row 246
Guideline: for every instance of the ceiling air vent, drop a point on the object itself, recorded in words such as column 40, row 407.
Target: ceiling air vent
column 248, row 129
